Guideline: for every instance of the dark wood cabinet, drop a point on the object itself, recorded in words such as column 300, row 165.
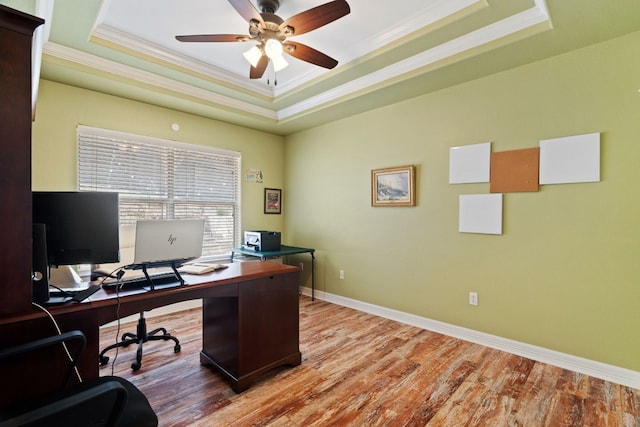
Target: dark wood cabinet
column 16, row 35
column 247, row 334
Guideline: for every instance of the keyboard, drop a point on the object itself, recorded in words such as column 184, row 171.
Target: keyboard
column 138, row 280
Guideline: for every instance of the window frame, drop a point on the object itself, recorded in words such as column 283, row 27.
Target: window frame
column 86, row 133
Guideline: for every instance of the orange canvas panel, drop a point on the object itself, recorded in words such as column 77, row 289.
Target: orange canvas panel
column 515, row 170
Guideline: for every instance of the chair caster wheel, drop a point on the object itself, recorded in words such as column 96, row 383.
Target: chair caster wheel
column 104, row 360
column 177, row 348
column 135, row 366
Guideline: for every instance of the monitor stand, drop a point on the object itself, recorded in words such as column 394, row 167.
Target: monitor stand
column 65, row 277
column 174, row 264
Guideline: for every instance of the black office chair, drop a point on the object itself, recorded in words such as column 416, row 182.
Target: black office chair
column 140, row 337
column 103, row 401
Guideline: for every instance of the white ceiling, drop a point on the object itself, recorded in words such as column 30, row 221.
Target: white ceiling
column 345, row 39
column 387, row 51
column 150, row 27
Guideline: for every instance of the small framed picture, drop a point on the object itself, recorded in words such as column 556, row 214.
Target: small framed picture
column 393, row 186
column 272, row 201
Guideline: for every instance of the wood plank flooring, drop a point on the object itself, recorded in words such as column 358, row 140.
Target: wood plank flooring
column 362, row 370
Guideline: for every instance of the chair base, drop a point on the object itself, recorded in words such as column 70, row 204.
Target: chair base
column 140, row 337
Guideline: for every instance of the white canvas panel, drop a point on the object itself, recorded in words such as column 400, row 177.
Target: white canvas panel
column 570, row 159
column 481, row 213
column 469, row 163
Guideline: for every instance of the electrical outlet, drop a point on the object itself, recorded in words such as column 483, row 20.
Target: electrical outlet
column 473, row 298
column 301, row 265
column 341, row 274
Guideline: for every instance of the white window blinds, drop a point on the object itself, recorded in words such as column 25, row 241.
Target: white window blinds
column 160, row 179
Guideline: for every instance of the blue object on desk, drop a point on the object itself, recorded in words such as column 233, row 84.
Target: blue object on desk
column 283, row 251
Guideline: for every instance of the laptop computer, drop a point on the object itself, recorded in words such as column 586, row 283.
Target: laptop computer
column 168, row 240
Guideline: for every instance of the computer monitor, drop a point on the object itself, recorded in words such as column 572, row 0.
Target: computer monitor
column 80, row 227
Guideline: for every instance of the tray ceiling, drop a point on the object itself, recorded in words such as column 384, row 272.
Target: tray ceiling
column 387, row 51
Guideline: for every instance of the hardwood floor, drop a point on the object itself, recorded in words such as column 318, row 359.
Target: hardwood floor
column 362, row 370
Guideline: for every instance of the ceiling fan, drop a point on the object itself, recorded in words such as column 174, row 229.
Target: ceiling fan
column 271, row 33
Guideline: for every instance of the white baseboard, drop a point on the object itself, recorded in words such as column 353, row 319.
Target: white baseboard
column 581, row 365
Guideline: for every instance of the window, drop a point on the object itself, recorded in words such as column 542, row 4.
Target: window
column 160, row 179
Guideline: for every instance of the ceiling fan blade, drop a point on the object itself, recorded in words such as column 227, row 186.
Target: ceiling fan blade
column 317, row 17
column 246, row 10
column 214, row 38
column 257, row 71
column 309, row 54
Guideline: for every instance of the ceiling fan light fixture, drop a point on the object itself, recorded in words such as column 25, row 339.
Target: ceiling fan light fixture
column 253, row 55
column 279, row 63
column 273, row 48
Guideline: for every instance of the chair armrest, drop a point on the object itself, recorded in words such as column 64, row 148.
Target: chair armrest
column 48, row 342
column 103, row 402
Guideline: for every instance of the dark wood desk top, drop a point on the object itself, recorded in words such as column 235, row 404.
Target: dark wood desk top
column 217, row 283
column 106, row 306
column 103, row 303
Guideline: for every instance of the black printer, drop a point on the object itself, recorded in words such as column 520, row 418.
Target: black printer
column 261, row 240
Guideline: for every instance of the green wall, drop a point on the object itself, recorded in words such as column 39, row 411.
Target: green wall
column 565, row 275
column 61, row 108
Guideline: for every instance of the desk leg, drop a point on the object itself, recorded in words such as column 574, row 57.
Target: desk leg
column 313, row 276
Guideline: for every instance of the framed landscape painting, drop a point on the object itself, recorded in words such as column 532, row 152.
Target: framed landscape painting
column 393, row 186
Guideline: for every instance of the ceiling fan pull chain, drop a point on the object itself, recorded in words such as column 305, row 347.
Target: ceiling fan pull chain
column 275, row 77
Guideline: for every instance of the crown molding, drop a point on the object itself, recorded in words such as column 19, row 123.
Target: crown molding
column 535, row 18
column 111, row 37
column 161, row 83
column 428, row 18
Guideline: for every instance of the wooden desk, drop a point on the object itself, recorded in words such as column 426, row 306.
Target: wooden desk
column 250, row 323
